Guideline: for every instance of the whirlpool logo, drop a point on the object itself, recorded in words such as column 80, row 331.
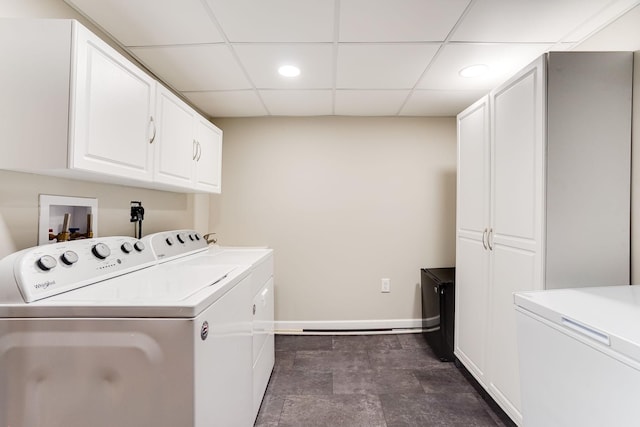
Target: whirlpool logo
column 44, row 285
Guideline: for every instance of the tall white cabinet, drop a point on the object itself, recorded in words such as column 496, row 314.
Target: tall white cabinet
column 543, row 201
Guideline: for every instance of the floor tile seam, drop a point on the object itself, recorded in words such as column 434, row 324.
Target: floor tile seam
column 281, row 411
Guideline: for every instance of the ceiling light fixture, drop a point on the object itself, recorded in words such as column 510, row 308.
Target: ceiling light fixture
column 474, row 70
column 289, row 71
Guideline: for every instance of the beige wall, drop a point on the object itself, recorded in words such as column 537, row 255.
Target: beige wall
column 19, row 207
column 344, row 202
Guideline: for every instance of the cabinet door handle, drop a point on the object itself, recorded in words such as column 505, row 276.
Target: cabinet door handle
column 195, row 150
column 490, row 239
column 153, row 137
column 199, row 150
column 484, row 236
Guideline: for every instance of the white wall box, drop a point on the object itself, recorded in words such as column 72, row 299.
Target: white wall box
column 78, row 108
column 52, row 211
column 543, row 200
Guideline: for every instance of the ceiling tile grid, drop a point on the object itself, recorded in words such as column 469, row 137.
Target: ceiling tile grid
column 357, row 57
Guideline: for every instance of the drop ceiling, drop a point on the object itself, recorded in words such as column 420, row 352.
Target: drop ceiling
column 357, row 57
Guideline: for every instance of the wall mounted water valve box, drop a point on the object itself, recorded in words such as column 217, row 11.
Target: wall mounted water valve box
column 65, row 218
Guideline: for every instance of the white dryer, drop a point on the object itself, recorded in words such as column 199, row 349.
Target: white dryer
column 100, row 333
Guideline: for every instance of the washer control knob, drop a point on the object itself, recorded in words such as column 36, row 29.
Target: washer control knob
column 169, row 241
column 181, row 237
column 197, row 236
column 191, row 237
column 69, row 257
column 139, row 246
column 47, row 262
column 101, row 251
column 126, row 247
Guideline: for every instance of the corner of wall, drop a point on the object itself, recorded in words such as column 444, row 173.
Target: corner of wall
column 635, row 173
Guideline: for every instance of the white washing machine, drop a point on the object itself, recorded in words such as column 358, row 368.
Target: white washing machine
column 100, row 333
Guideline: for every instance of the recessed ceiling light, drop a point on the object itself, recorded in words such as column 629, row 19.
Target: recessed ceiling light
column 474, row 70
column 289, row 71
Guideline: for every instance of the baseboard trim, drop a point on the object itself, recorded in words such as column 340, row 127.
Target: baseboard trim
column 346, row 326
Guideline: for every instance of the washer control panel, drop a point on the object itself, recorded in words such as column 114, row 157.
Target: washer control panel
column 47, row 270
column 169, row 245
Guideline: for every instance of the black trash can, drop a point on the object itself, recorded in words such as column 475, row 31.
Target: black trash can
column 438, row 302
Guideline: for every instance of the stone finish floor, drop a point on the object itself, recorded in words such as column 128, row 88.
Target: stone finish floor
column 369, row 381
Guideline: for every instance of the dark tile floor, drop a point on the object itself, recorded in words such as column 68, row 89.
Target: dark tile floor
column 367, row 380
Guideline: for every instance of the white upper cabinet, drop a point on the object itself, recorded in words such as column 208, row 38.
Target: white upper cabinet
column 73, row 106
column 189, row 147
column 112, row 111
column 175, row 152
column 208, row 156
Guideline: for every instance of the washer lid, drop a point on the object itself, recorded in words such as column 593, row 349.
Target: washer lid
column 606, row 316
column 156, row 285
column 160, row 291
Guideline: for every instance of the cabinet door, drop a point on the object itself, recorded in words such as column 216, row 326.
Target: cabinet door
column 111, row 122
column 472, row 255
column 175, row 150
column 208, row 157
column 517, row 125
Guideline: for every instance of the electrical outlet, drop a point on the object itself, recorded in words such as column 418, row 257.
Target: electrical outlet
column 386, row 285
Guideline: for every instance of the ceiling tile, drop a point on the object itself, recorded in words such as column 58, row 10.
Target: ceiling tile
column 263, row 60
column 194, row 68
column 439, row 102
column 503, row 60
column 398, row 20
column 382, row 66
column 605, row 16
column 622, row 34
column 298, row 102
column 275, row 20
column 152, row 22
column 369, row 102
column 241, row 103
column 522, row 21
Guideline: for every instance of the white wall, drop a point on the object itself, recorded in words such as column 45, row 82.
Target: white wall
column 344, row 202
column 624, row 34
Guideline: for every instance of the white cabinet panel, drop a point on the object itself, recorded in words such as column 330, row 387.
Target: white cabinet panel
column 517, row 134
column 473, row 168
column 472, row 293
column 512, row 270
column 472, row 266
column 188, row 148
column 208, row 166
column 112, row 111
column 175, row 149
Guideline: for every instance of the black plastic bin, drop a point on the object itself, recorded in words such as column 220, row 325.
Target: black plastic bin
column 438, row 302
